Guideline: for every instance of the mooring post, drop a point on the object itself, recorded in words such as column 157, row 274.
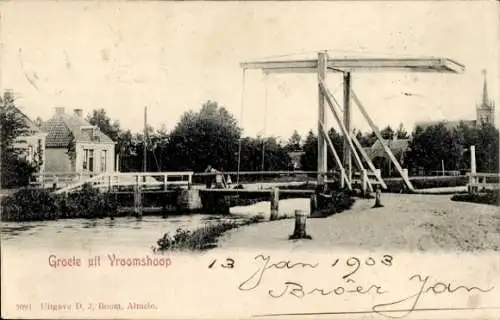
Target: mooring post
column 300, row 226
column 377, row 204
column 275, row 199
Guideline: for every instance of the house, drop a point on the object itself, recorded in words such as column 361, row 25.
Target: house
column 30, row 144
column 74, row 145
column 295, row 157
column 377, row 154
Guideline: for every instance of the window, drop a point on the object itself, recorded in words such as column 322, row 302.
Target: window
column 88, row 159
column 104, row 158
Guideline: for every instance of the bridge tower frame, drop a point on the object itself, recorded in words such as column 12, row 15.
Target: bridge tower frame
column 324, row 64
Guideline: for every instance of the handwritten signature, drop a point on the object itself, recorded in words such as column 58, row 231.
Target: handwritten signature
column 423, row 285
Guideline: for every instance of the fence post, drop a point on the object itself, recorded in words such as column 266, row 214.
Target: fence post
column 165, row 179
column 472, row 177
column 275, row 198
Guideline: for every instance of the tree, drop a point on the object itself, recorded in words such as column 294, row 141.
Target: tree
column 294, row 143
column 209, row 136
column 387, row 133
column 338, row 144
column 401, row 133
column 435, row 145
column 309, row 160
column 485, row 138
column 15, row 171
column 100, row 119
column 367, row 139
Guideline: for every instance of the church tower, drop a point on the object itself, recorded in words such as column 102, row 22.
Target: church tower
column 485, row 111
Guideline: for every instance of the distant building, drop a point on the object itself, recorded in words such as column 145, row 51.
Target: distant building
column 31, row 144
column 377, row 154
column 74, row 145
column 295, row 157
column 485, row 113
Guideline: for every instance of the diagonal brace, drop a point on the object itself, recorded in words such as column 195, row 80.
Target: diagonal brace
column 379, row 137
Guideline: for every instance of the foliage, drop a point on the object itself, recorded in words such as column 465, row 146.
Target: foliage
column 333, row 201
column 15, row 171
column 294, row 143
column 401, row 133
column 275, row 156
column 31, row 204
column 209, row 136
column 491, row 197
column 87, row 203
column 199, row 239
column 435, row 145
column 485, row 138
column 100, row 119
column 309, row 160
column 387, row 132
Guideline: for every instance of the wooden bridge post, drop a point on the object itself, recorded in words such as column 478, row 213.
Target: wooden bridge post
column 364, row 181
column 322, row 152
column 137, row 198
column 275, row 198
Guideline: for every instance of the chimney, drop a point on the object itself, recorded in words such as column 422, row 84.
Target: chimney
column 59, row 111
column 79, row 113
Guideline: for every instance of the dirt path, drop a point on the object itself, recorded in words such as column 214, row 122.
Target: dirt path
column 406, row 222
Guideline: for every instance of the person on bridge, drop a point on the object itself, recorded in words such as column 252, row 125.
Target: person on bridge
column 210, row 178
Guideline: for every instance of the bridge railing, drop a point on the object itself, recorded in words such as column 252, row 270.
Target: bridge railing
column 483, row 180
column 60, row 179
column 111, row 181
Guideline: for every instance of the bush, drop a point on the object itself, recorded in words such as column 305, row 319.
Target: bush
column 491, row 197
column 199, row 239
column 87, row 203
column 31, row 204
column 334, row 201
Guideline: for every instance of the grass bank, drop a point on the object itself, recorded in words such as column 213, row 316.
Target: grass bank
column 491, row 197
column 200, row 239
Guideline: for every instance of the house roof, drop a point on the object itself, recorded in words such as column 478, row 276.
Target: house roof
column 397, row 146
column 62, row 127
column 31, row 127
column 295, row 155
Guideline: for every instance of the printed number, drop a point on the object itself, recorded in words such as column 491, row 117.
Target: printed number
column 229, row 264
column 23, row 306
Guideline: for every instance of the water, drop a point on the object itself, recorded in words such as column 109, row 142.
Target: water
column 123, row 232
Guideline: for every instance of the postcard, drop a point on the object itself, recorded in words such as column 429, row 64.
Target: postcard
column 250, row 160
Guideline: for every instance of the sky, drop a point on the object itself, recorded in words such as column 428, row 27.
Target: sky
column 174, row 56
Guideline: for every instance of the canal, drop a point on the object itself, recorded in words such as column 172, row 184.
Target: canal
column 122, row 232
